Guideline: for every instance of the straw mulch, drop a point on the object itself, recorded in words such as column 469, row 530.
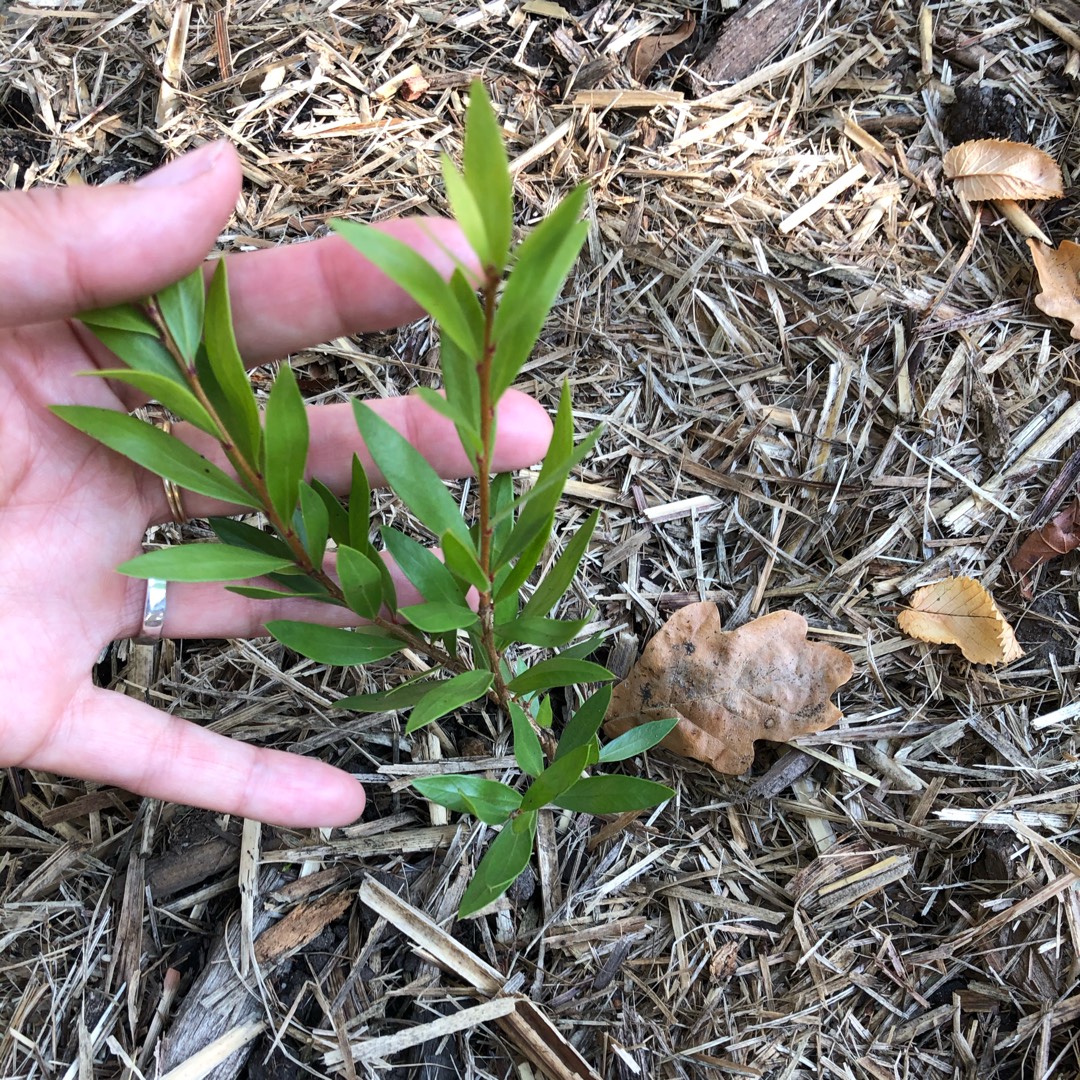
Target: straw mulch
column 809, row 376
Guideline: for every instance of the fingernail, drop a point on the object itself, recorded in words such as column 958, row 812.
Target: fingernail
column 185, row 168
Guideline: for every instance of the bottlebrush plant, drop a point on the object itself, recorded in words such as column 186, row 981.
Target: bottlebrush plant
column 478, row 608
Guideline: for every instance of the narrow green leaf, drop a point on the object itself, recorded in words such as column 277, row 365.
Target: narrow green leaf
column 140, row 351
column 613, row 795
column 466, row 210
column 462, row 561
column 582, row 727
column 467, row 435
column 559, row 776
column 502, row 499
column 409, row 476
column 487, row 172
column 445, row 697
column 128, row 317
column 235, row 402
column 202, row 562
column 400, row 697
column 407, row 268
column 637, row 740
column 181, row 305
column 359, row 507
column 558, row 672
column 438, row 618
column 543, row 713
column 422, row 568
column 549, row 633
column 464, row 792
column 252, row 592
column 582, row 650
column 336, row 514
column 501, row 865
column 527, row 560
column 175, row 396
column 153, row 449
column 361, row 581
column 527, row 749
column 314, row 521
column 285, row 442
column 240, row 534
column 462, row 388
column 557, row 580
column 543, row 260
column 329, row 645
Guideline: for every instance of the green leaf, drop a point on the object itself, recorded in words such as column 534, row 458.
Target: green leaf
column 175, row 396
column 409, row 476
column 153, row 449
column 139, row 351
column 181, row 305
column 582, row 650
column 557, row 580
column 400, row 697
column 407, row 268
column 462, row 388
column 487, row 172
column 420, row 566
column 502, row 499
column 239, row 534
column 488, row 800
column 559, row 776
column 315, row 523
column 558, row 672
column 235, row 401
column 637, row 740
column 329, row 645
column 582, row 727
column 550, row 633
column 359, row 507
column 120, row 317
column 336, row 515
column 527, row 750
column 445, row 697
column 438, row 618
column 466, row 210
column 252, row 592
column 543, row 260
column 202, row 562
column 613, row 795
column 461, row 560
column 467, row 435
column 285, row 442
column 500, row 867
column 361, row 581
column 527, row 561
column 543, row 713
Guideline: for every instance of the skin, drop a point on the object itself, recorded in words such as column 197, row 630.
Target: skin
column 71, row 510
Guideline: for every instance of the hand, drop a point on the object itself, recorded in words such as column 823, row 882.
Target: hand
column 71, row 510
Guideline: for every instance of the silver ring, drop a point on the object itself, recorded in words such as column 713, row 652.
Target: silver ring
column 153, row 620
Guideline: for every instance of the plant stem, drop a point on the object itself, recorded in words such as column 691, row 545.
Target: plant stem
column 483, row 482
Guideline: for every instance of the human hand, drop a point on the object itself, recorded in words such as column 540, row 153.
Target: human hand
column 71, row 510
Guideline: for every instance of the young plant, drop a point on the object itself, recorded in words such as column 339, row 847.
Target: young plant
column 180, row 350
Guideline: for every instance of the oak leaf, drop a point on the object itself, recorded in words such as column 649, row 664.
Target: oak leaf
column 959, row 611
column 728, row 688
column 998, row 169
column 1057, row 537
column 646, row 52
column 1059, row 275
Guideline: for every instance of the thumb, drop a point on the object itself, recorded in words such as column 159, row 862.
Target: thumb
column 70, row 249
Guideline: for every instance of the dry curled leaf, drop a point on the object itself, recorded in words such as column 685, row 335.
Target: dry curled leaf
column 999, row 169
column 959, row 611
column 762, row 681
column 646, row 52
column 1056, row 537
column 1059, row 275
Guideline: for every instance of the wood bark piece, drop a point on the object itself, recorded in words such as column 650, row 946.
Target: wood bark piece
column 752, row 37
column 729, row 688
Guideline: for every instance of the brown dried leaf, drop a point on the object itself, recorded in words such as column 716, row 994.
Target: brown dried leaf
column 999, row 169
column 1059, row 275
column 646, row 52
column 1057, row 537
column 959, row 611
column 762, row 681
